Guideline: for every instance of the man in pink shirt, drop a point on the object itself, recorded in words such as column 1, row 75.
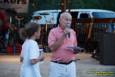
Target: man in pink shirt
column 62, row 42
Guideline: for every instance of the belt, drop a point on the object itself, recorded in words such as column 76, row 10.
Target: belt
column 63, row 62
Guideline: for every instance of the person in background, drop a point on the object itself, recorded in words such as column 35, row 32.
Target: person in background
column 4, row 25
column 30, row 53
column 62, row 42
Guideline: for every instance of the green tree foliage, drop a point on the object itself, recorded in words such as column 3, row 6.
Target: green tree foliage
column 76, row 4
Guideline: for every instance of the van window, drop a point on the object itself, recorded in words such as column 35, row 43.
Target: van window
column 74, row 14
column 103, row 15
column 84, row 15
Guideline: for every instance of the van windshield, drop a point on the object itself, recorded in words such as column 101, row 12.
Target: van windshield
column 103, row 15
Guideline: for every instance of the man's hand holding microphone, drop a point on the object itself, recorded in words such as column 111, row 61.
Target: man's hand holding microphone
column 67, row 30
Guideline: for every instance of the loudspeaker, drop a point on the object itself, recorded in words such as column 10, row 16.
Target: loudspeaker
column 107, row 48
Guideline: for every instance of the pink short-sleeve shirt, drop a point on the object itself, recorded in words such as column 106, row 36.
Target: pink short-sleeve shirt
column 62, row 53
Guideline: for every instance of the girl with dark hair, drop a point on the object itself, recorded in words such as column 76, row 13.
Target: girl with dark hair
column 30, row 53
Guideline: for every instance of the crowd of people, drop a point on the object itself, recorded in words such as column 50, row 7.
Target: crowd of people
column 8, row 31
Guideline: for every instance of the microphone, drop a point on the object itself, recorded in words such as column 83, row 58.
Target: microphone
column 68, row 26
column 68, row 35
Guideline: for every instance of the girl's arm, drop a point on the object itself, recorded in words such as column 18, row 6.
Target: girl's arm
column 34, row 61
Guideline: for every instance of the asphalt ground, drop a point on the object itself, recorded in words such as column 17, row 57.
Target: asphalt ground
column 86, row 66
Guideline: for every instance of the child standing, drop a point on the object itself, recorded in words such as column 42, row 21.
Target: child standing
column 30, row 53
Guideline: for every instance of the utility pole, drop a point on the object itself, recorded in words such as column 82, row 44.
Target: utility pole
column 63, row 5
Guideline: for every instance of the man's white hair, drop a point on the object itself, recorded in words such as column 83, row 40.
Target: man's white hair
column 65, row 14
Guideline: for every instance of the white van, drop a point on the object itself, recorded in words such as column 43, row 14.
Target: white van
column 50, row 16
column 47, row 15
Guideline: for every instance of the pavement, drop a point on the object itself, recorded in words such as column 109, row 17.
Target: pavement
column 86, row 66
